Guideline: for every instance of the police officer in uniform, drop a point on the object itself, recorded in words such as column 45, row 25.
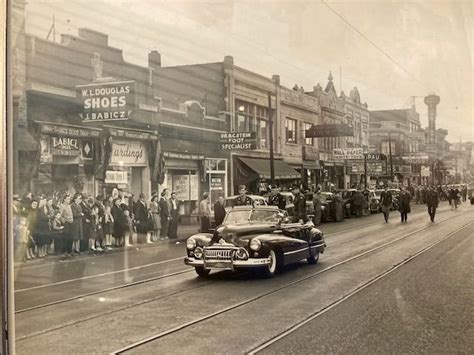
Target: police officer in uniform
column 276, row 198
column 300, row 206
column 243, row 199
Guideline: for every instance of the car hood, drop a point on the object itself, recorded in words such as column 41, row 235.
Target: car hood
column 240, row 234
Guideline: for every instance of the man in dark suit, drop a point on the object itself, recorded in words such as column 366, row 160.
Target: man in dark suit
column 243, row 199
column 300, row 206
column 386, row 202
column 164, row 213
column 142, row 220
column 174, row 216
column 432, row 202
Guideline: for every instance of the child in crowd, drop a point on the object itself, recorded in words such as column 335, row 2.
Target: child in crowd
column 57, row 230
column 108, row 227
column 99, row 232
column 129, row 228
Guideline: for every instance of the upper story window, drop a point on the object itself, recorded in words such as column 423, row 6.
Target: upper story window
column 250, row 117
column 290, row 127
column 307, row 141
column 385, row 148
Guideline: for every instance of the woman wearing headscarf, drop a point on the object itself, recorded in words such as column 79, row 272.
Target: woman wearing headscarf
column 41, row 232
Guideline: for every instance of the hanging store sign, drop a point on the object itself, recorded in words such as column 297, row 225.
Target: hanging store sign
column 416, row 159
column 107, row 102
column 128, row 153
column 87, row 149
column 329, row 130
column 238, row 141
column 348, row 153
column 425, row 171
column 116, row 177
column 132, row 134
column 183, row 156
column 64, row 146
column 375, row 157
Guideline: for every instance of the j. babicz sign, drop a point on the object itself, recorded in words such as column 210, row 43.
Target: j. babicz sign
column 107, row 101
column 64, row 146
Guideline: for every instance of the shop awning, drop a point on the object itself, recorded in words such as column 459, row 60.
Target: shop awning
column 309, row 165
column 262, row 168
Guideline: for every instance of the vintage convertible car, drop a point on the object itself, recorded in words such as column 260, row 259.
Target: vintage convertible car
column 254, row 237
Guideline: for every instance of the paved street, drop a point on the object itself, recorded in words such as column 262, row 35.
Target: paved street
column 366, row 295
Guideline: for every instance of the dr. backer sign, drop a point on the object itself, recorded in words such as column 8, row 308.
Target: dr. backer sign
column 107, row 101
column 128, row 153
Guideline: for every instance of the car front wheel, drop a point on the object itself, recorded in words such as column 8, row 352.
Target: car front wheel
column 202, row 272
column 271, row 269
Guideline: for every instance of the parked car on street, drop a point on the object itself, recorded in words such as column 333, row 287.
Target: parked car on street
column 347, row 201
column 254, row 237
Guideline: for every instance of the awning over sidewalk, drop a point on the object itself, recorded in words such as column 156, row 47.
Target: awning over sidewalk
column 261, row 167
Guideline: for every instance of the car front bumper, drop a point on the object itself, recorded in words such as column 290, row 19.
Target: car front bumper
column 227, row 264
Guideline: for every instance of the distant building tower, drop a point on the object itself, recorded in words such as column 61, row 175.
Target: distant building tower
column 431, row 101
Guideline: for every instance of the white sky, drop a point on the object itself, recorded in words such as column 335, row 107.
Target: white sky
column 301, row 41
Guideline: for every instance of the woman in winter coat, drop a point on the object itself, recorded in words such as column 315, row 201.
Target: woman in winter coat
column 76, row 227
column 41, row 232
column 404, row 205
column 120, row 222
column 155, row 212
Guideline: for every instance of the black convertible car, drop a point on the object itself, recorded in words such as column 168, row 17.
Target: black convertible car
column 254, row 237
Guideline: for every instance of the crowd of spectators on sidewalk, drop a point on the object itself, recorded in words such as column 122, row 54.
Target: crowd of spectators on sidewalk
column 71, row 224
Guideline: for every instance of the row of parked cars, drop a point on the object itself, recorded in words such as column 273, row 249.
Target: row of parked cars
column 328, row 200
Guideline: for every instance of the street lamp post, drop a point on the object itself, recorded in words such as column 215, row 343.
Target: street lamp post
column 390, row 154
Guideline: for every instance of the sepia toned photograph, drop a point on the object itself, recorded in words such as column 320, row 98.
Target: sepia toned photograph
column 237, row 177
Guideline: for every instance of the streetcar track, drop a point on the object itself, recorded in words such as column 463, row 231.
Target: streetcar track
column 113, row 288
column 267, row 293
column 358, row 289
column 96, row 275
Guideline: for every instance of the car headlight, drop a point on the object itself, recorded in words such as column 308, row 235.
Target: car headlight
column 198, row 252
column 190, row 244
column 242, row 254
column 255, row 244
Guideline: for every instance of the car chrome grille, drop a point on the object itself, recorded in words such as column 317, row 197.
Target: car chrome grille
column 219, row 254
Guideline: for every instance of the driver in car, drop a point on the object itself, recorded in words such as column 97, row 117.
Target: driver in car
column 243, row 199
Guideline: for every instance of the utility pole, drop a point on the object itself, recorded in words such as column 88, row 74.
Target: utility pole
column 390, row 154
column 270, row 139
column 365, row 171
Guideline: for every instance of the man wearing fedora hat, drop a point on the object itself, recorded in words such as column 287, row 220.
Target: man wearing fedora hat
column 243, row 199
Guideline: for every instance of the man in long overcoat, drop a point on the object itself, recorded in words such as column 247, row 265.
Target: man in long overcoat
column 432, row 202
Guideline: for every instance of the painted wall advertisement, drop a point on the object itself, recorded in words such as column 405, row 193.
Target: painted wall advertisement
column 129, row 153
column 107, row 102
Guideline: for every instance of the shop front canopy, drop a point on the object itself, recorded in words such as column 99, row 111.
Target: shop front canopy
column 261, row 168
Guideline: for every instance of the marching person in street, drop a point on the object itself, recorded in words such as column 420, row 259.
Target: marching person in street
column 358, row 203
column 453, row 196
column 276, row 198
column 386, row 202
column 174, row 218
column 300, row 206
column 205, row 213
column 219, row 211
column 243, row 199
column 432, row 202
column 464, row 193
column 404, row 205
column 164, row 213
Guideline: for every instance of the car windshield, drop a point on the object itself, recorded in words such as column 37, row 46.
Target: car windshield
column 252, row 216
